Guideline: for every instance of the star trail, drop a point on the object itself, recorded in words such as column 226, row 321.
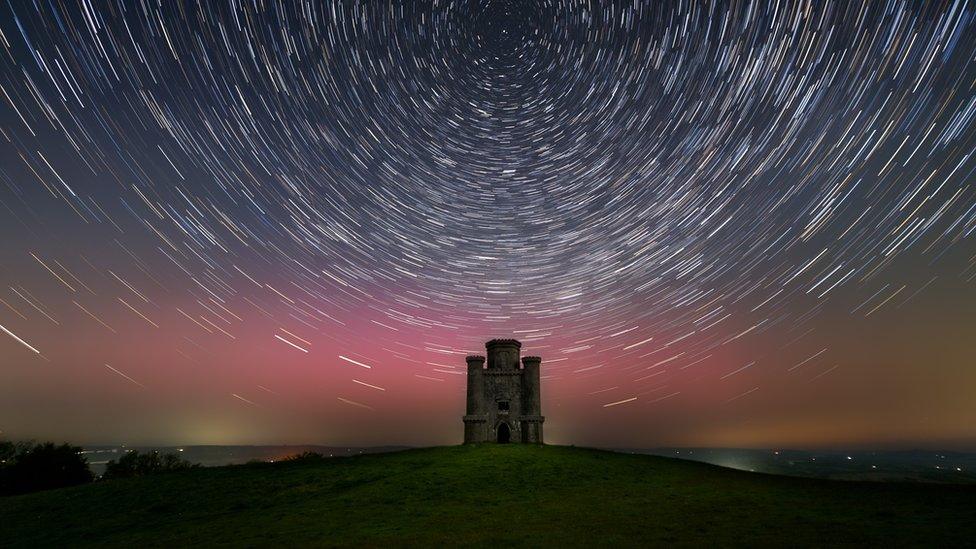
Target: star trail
column 294, row 219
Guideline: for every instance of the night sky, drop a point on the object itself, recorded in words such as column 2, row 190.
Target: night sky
column 742, row 224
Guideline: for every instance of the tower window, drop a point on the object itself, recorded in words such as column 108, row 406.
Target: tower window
column 502, row 405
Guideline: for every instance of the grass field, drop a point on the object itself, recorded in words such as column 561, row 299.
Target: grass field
column 490, row 495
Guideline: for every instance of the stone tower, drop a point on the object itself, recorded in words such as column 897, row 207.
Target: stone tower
column 504, row 400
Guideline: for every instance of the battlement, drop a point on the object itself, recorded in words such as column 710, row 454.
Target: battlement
column 497, row 342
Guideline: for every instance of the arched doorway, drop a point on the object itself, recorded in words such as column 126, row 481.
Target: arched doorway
column 504, row 433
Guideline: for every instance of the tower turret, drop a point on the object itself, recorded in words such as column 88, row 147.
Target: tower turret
column 503, row 354
column 531, row 400
column 476, row 384
column 475, row 420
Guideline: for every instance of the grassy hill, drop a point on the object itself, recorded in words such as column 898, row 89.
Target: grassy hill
column 495, row 495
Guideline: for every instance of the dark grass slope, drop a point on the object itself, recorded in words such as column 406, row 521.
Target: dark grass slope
column 493, row 495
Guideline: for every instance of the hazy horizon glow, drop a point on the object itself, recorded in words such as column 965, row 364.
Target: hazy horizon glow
column 737, row 226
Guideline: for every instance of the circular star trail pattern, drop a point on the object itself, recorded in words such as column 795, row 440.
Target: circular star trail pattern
column 627, row 187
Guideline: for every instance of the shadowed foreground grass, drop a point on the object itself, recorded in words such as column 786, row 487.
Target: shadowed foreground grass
column 489, row 495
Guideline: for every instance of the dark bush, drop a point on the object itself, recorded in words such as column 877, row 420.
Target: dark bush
column 140, row 464
column 305, row 456
column 28, row 467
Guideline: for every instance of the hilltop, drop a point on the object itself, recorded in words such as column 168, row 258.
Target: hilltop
column 495, row 495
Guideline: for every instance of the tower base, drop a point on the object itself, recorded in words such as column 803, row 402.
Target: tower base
column 475, row 429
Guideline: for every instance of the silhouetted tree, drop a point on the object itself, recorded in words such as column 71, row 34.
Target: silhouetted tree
column 30, row 467
column 7, row 452
column 138, row 464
